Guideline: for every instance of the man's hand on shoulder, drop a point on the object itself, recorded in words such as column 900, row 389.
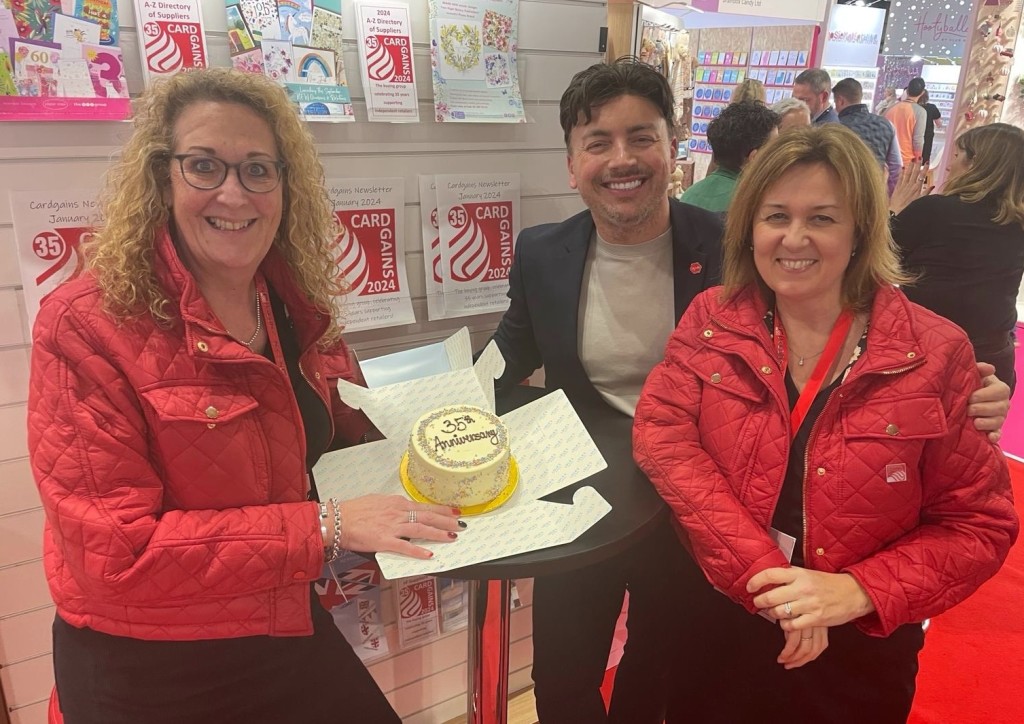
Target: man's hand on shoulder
column 990, row 403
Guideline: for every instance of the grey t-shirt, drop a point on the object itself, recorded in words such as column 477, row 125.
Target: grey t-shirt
column 626, row 315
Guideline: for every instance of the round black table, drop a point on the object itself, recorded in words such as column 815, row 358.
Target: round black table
column 636, row 511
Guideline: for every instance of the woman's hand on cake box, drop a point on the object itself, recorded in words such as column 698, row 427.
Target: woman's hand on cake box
column 374, row 523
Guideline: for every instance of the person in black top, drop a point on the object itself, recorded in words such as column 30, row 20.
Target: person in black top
column 934, row 117
column 966, row 245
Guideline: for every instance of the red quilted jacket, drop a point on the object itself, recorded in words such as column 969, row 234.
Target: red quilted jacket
column 171, row 463
column 712, row 433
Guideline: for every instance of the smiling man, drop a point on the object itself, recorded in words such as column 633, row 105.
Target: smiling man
column 594, row 300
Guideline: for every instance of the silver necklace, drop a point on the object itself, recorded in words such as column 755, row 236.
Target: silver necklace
column 800, row 359
column 259, row 324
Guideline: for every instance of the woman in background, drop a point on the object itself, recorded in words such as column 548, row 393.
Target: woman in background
column 808, row 429
column 182, row 388
column 932, row 121
column 750, row 89
column 887, row 102
column 965, row 246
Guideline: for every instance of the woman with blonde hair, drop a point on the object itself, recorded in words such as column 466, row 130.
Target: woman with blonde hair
column 965, row 246
column 808, row 429
column 750, row 89
column 182, row 388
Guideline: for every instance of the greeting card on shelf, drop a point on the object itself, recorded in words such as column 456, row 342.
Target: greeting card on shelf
column 174, row 40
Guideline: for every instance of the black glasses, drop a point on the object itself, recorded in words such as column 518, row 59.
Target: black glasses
column 259, row 176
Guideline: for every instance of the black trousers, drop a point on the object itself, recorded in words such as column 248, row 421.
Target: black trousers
column 574, row 616
column 318, row 679
column 727, row 673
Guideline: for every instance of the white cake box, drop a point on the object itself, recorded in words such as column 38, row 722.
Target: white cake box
column 551, row 446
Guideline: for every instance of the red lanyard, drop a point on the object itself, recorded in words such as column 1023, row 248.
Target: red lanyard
column 835, row 345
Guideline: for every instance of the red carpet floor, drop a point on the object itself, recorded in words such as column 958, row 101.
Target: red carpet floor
column 972, row 665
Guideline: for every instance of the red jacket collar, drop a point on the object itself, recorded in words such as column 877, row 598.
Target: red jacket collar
column 893, row 341
column 181, row 287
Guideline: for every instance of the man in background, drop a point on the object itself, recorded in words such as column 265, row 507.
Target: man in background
column 735, row 137
column 792, row 113
column 909, row 119
column 875, row 131
column 813, row 87
column 594, row 299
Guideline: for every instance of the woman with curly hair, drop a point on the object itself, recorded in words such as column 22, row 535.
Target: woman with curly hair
column 182, row 388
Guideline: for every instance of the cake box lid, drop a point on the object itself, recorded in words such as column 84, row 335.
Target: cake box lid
column 551, row 446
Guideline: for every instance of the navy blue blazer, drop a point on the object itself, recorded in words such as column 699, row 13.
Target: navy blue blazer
column 541, row 324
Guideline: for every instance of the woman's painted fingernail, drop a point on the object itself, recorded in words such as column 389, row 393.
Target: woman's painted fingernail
column 456, row 511
column 452, row 535
column 462, row 524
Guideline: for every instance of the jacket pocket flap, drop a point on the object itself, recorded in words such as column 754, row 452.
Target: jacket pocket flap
column 917, row 418
column 728, row 374
column 198, row 403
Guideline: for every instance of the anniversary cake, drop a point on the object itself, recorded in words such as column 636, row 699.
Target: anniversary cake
column 459, row 456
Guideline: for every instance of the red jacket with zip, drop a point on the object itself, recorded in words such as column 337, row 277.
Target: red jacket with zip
column 901, row 491
column 171, row 462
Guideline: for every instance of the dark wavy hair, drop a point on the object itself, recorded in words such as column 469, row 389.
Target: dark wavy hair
column 602, row 82
column 740, row 128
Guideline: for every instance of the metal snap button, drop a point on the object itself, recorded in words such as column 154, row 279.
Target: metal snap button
column 708, row 333
column 891, row 429
column 202, row 346
column 212, row 412
column 821, row 471
column 766, row 370
column 716, row 378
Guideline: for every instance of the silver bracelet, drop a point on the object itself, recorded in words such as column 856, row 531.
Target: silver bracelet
column 335, row 549
column 323, row 526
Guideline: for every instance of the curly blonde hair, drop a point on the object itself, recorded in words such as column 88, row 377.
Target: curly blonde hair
column 134, row 209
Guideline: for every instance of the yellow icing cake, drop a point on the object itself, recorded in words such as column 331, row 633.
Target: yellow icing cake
column 459, row 456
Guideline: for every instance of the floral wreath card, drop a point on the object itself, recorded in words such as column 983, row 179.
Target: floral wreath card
column 473, row 57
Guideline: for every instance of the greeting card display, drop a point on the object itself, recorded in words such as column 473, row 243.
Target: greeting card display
column 418, row 620
column 350, row 588
column 370, row 250
column 46, row 72
column 49, row 229
column 478, row 223
column 473, row 56
column 173, row 37
column 430, row 230
column 384, row 32
column 297, row 44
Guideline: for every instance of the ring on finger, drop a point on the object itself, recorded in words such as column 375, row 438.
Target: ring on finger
column 412, row 516
column 787, row 608
column 807, row 638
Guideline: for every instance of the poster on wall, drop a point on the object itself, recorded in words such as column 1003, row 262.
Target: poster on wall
column 384, row 33
column 370, row 250
column 297, row 44
column 473, row 50
column 49, row 229
column 173, row 37
column 478, row 223
column 61, row 63
column 350, row 589
column 418, row 620
column 431, row 248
